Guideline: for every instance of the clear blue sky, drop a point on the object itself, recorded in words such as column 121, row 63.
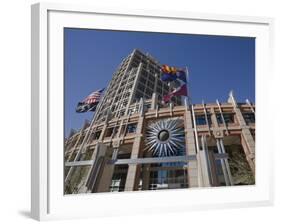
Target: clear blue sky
column 217, row 64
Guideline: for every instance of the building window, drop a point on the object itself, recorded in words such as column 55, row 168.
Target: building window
column 165, row 92
column 228, row 118
column 131, row 128
column 141, row 87
column 122, row 113
column 159, row 83
column 159, row 90
column 142, row 80
column 111, row 132
column 150, row 85
column 219, row 173
column 137, row 57
column 113, row 108
column 159, row 98
column 151, row 79
column 125, row 102
column 120, row 90
column 97, row 135
column 119, row 178
column 115, row 185
column 179, row 101
column 249, row 117
column 209, row 119
column 144, row 64
column 144, row 74
column 166, row 87
column 132, row 78
column 200, row 119
column 130, row 86
column 149, row 92
column 219, row 118
column 138, row 96
column 135, row 64
column 147, row 107
column 127, row 95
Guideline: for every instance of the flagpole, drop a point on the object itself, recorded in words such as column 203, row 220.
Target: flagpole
column 188, row 98
column 169, row 84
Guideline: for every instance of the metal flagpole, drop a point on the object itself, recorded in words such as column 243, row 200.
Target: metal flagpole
column 169, row 84
column 187, row 98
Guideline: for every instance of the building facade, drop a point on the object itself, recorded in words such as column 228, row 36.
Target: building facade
column 136, row 142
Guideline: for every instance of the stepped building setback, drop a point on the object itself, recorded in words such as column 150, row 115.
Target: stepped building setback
column 136, row 142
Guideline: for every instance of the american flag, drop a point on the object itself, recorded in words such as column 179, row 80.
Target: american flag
column 94, row 97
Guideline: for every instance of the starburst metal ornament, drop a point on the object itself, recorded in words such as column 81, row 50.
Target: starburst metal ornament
column 165, row 137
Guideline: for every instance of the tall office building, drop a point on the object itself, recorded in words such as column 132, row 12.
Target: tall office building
column 136, row 142
column 136, row 78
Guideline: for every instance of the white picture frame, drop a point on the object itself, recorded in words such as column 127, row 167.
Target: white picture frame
column 48, row 201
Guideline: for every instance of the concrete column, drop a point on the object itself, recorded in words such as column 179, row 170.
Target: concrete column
column 101, row 137
column 215, row 181
column 249, row 156
column 248, row 143
column 134, row 169
column 155, row 84
column 107, row 173
column 145, row 177
column 105, row 178
column 190, row 150
column 154, row 101
column 247, row 139
column 205, row 167
column 214, row 118
column 97, row 168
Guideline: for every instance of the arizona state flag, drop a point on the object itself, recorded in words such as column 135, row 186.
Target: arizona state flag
column 170, row 74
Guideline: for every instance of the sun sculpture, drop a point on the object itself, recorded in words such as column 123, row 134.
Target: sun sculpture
column 165, row 137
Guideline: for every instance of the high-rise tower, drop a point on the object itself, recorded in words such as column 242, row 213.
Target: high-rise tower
column 136, row 78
